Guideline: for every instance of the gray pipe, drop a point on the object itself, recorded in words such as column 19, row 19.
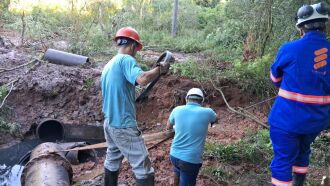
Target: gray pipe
column 64, row 58
column 47, row 167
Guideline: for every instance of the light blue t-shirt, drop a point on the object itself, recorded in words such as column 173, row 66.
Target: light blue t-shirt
column 118, row 82
column 191, row 123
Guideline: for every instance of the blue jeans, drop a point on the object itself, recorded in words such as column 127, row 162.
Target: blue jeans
column 291, row 154
column 127, row 143
column 187, row 172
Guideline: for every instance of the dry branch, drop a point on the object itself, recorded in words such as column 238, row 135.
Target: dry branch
column 20, row 66
column 4, row 100
column 238, row 112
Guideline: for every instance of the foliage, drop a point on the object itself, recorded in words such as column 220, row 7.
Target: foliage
column 200, row 71
column 320, row 150
column 255, row 148
column 89, row 83
column 207, row 3
column 253, row 76
column 234, row 31
column 11, row 128
column 3, row 93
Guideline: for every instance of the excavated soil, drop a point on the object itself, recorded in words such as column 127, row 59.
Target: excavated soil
column 72, row 95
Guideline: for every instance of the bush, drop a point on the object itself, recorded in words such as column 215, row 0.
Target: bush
column 3, row 93
column 255, row 148
column 11, row 128
column 320, row 150
column 253, row 76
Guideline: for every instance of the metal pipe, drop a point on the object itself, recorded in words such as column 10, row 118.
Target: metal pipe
column 47, row 166
column 64, row 58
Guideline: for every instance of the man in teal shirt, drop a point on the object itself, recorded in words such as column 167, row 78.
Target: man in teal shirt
column 118, row 80
column 191, row 124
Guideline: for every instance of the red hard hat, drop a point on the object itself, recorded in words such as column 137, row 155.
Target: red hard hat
column 131, row 33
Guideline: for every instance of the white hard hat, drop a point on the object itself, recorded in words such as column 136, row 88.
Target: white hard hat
column 313, row 12
column 195, row 92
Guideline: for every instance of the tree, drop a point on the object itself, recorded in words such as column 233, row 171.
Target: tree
column 175, row 18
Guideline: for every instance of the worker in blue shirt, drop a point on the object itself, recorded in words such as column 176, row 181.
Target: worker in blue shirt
column 302, row 108
column 118, row 80
column 191, row 124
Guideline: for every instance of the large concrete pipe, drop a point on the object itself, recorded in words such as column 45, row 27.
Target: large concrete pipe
column 64, row 58
column 47, row 167
column 50, row 130
column 85, row 132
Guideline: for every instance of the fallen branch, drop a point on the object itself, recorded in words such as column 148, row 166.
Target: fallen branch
column 20, row 66
column 261, row 102
column 4, row 100
column 238, row 112
column 210, row 178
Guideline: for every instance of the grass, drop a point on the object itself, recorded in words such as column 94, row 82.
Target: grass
column 10, row 128
column 255, row 148
column 255, row 153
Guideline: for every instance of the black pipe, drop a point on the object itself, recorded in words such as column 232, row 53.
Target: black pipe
column 50, row 130
column 64, row 58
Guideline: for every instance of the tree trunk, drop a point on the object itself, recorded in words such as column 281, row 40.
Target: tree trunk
column 23, row 28
column 269, row 28
column 174, row 18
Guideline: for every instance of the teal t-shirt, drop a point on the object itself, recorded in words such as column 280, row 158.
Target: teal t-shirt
column 118, row 82
column 191, row 123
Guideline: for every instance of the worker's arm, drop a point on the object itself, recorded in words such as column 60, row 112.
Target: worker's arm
column 171, row 120
column 168, row 125
column 146, row 77
column 213, row 117
column 276, row 71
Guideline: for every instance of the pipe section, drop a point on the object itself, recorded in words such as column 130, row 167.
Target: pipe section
column 64, row 58
column 47, row 166
column 50, row 130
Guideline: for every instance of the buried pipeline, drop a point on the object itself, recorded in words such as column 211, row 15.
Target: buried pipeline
column 50, row 164
column 47, row 166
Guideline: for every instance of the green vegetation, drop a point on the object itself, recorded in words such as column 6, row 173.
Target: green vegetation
column 255, row 150
column 321, row 151
column 233, row 31
column 3, row 93
column 89, row 83
column 11, row 128
column 5, row 126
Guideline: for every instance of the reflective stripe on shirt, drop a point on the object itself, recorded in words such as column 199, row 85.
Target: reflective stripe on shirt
column 304, row 98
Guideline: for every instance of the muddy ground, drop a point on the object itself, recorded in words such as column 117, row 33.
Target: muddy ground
column 72, row 95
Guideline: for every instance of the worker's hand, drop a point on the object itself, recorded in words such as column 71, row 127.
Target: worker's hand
column 164, row 67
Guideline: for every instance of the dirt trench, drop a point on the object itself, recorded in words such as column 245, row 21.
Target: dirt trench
column 72, row 95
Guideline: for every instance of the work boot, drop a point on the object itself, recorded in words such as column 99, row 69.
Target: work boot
column 298, row 179
column 110, row 177
column 176, row 180
column 149, row 181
